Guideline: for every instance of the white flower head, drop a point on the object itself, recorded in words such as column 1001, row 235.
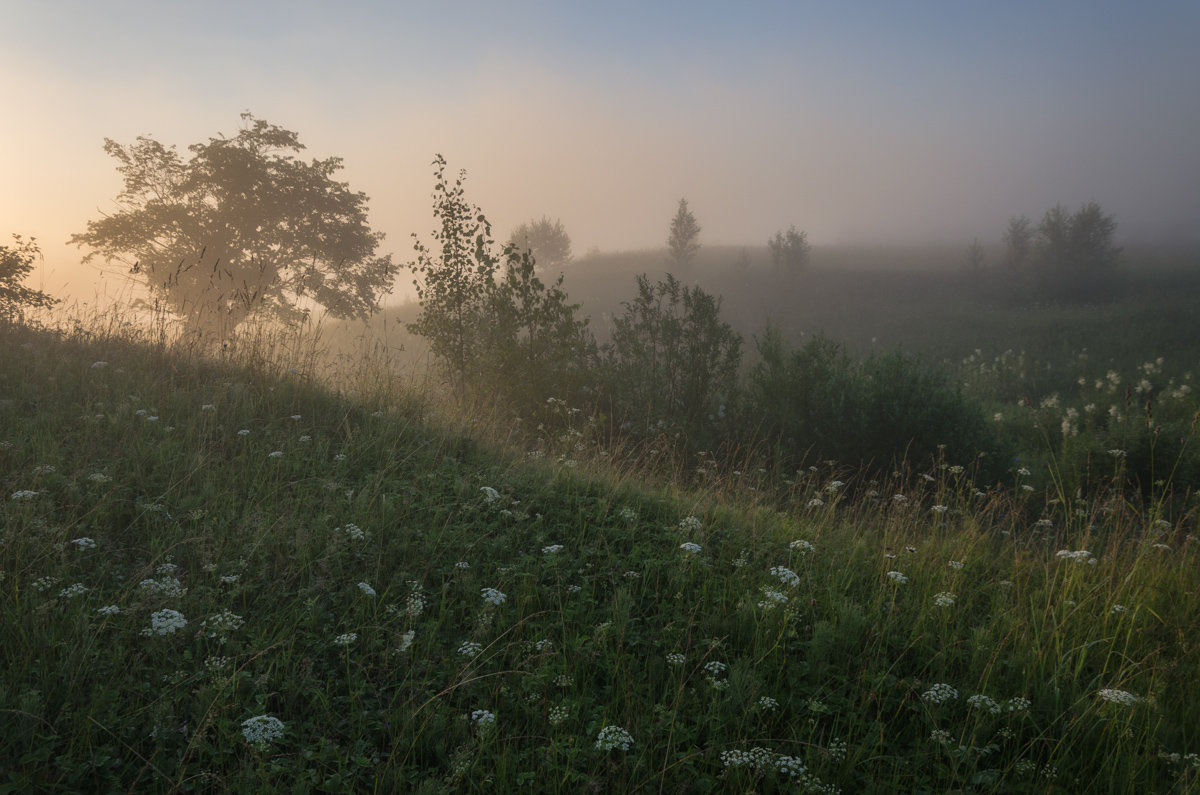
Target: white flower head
column 898, row 577
column 366, row 589
column 84, row 543
column 613, row 738
column 262, row 730
column 690, row 548
column 166, row 622
column 493, row 596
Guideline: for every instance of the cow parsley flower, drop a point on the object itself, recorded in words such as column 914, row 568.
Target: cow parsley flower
column 166, row 622
column 897, row 577
column 552, row 549
column 84, row 543
column 675, row 658
column 78, row 589
column 367, row 589
column 690, row 547
column 483, row 718
column 490, row 495
column 944, row 599
column 219, row 625
column 614, row 738
column 262, row 730
column 939, row 693
column 1121, row 697
column 691, row 524
column 785, row 576
column 406, row 641
column 492, row 596
column 108, row 610
column 802, row 546
column 469, row 648
column 24, row 494
column 345, row 639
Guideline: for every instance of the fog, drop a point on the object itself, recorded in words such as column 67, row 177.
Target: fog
column 868, row 124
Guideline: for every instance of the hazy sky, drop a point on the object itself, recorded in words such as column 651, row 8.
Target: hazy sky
column 857, row 121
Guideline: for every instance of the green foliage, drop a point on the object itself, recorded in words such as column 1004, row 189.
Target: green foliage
column 684, row 240
column 547, row 241
column 789, row 251
column 16, row 263
column 454, row 278
column 1075, row 252
column 672, row 362
column 1018, row 243
column 815, row 403
column 534, row 346
column 241, row 227
column 511, row 336
column 859, row 645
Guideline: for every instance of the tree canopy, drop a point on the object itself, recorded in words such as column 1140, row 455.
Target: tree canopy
column 16, row 263
column 684, row 240
column 241, row 227
column 546, row 240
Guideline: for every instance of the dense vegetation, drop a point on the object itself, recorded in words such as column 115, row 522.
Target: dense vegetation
column 219, row 574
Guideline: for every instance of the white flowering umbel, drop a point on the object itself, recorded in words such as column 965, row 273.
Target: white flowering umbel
column 165, row 622
column 1122, row 697
column 785, row 576
column 614, row 738
column 939, row 693
column 262, row 730
column 493, row 596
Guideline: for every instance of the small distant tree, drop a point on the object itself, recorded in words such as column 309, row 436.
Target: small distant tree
column 974, row 258
column 1075, row 252
column 684, row 241
column 1018, row 242
column 241, row 227
column 16, row 263
column 546, row 240
column 789, row 250
column 453, row 279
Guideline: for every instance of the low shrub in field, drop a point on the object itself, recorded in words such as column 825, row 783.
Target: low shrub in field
column 816, row 403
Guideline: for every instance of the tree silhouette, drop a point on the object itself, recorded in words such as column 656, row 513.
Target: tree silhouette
column 241, row 227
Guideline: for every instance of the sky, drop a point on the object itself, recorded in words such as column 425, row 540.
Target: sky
column 858, row 122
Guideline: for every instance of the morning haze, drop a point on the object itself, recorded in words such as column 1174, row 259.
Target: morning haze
column 861, row 124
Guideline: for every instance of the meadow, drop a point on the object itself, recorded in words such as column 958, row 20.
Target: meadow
column 257, row 570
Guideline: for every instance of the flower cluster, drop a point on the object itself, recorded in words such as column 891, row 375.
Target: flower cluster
column 939, row 693
column 690, row 548
column 1121, row 697
column 262, row 730
column 493, row 596
column 166, row 622
column 84, row 543
column 785, row 576
column 345, row 639
column 691, row 524
column 613, row 738
column 1079, row 556
column 897, row 577
column 944, row 599
column 219, row 625
column 802, row 546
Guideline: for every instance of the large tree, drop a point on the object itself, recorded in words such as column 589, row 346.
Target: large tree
column 241, row 227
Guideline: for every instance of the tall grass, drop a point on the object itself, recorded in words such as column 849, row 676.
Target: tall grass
column 368, row 597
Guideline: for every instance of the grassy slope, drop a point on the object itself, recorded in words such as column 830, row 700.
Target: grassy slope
column 269, row 559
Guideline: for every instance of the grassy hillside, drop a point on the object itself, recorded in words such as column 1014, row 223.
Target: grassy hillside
column 222, row 576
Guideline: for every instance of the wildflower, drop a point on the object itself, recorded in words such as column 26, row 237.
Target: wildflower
column 1079, row 556
column 815, row 502
column 492, row 596
column 1161, row 546
column 1121, row 697
column 802, row 546
column 45, row 469
column 767, row 703
column 984, row 704
column 1025, row 487
column 78, row 589
column 691, row 524
column 565, row 680
column 244, row 432
column 262, row 730
column 690, row 547
column 897, row 577
column 956, row 564
column 1017, row 704
column 483, row 718
column 558, row 715
column 939, row 693
column 786, row 576
column 469, row 648
column 613, row 738
column 219, row 625
column 944, row 599
column 1119, row 609
column 552, row 549
column 773, row 598
column 1024, row 472
column 108, row 610
column 166, row 586
column 941, row 737
column 275, row 454
column 229, row 579
column 99, row 365
column 45, row 583
column 84, row 543
column 675, row 658
column 899, row 499
column 24, row 494
column 940, row 508
column 354, row 532
column 99, row 478
column 166, row 622
column 490, row 495
column 366, row 589
column 463, row 565
column 756, row 758
column 345, row 639
column 631, row 575
column 627, row 514
column 208, row 407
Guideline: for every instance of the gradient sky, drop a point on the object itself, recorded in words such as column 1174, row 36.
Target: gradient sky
column 880, row 122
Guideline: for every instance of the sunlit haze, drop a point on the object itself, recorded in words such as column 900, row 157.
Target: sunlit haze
column 875, row 122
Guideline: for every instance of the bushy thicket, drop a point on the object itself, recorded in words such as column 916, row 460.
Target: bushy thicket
column 815, row 403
